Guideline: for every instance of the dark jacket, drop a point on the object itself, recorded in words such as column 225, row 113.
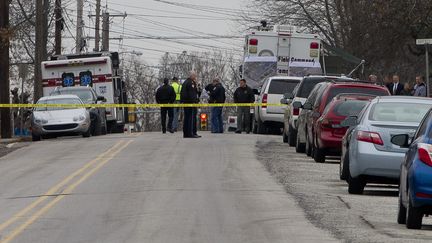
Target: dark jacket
column 217, row 94
column 165, row 94
column 244, row 95
column 189, row 93
column 399, row 88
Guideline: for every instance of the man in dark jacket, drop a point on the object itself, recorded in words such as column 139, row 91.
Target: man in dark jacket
column 190, row 95
column 217, row 96
column 396, row 87
column 243, row 94
column 166, row 95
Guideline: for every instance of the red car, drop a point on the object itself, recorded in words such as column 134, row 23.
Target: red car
column 328, row 131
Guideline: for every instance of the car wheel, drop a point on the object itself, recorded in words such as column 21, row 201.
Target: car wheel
column 87, row 134
column 96, row 126
column 414, row 216
column 35, row 137
column 292, row 136
column 300, row 147
column 284, row 136
column 343, row 167
column 402, row 211
column 308, row 146
column 356, row 185
column 319, row 155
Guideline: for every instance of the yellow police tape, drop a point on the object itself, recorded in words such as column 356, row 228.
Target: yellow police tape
column 134, row 105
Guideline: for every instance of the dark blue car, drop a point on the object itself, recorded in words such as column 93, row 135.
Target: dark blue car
column 415, row 190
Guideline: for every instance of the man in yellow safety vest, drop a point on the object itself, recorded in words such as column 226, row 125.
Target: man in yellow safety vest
column 177, row 88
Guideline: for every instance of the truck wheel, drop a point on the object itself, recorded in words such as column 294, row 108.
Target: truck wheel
column 292, row 136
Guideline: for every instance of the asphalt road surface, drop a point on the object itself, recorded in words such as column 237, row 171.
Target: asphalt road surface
column 150, row 188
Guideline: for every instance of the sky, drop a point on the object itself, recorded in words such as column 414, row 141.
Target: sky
column 184, row 22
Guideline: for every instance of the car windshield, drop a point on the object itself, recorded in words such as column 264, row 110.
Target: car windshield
column 355, row 90
column 282, row 86
column 85, row 95
column 66, row 101
column 398, row 112
column 349, row 107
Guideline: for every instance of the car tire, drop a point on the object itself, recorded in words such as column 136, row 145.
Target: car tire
column 414, row 216
column 87, row 134
column 402, row 211
column 96, row 127
column 308, row 146
column 284, row 136
column 319, row 155
column 35, row 137
column 300, row 147
column 343, row 167
column 356, row 185
column 292, row 136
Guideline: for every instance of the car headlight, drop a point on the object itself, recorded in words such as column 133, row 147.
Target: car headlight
column 81, row 118
column 40, row 121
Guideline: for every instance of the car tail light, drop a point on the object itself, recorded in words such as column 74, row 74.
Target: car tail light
column 296, row 111
column 264, row 101
column 102, row 79
column 424, row 153
column 314, row 45
column 253, row 42
column 369, row 137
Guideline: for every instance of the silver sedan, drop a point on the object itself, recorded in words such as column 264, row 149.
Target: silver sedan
column 368, row 156
column 60, row 120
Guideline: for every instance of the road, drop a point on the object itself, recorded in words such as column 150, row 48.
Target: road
column 325, row 200
column 148, row 188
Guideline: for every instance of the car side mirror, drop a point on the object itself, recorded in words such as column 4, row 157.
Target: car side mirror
column 349, row 121
column 288, row 96
column 101, row 98
column 297, row 105
column 401, row 140
column 307, row 106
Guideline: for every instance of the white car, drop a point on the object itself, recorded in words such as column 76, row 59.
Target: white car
column 60, row 120
column 271, row 118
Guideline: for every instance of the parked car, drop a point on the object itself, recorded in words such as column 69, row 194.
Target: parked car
column 57, row 121
column 415, row 184
column 318, row 100
column 300, row 93
column 88, row 96
column 270, row 118
column 328, row 130
column 368, row 156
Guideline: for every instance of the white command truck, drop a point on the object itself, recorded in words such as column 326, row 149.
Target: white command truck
column 280, row 51
column 97, row 70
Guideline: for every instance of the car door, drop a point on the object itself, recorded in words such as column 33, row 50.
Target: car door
column 302, row 120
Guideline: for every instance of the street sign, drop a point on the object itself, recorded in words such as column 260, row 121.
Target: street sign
column 423, row 41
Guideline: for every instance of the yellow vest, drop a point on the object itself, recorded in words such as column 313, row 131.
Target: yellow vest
column 177, row 88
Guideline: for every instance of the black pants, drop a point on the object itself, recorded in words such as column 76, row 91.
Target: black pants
column 164, row 111
column 190, row 122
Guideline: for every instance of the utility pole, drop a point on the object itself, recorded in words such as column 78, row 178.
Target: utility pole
column 105, row 31
column 58, row 27
column 97, row 25
column 39, row 50
column 5, row 115
column 80, row 26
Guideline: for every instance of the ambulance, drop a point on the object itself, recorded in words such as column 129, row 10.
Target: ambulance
column 97, row 70
column 279, row 51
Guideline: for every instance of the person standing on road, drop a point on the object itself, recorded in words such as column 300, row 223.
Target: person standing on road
column 396, row 87
column 217, row 96
column 421, row 89
column 176, row 110
column 243, row 94
column 166, row 95
column 189, row 94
